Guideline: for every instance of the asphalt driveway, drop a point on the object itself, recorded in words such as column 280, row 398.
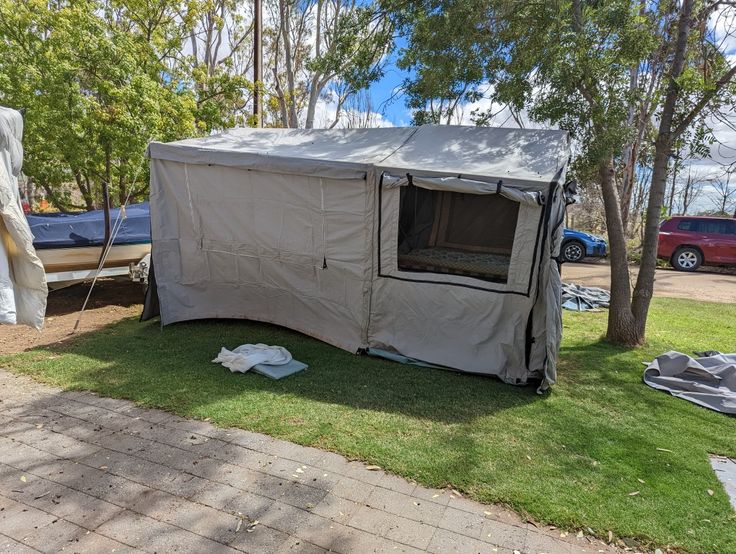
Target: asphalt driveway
column 701, row 285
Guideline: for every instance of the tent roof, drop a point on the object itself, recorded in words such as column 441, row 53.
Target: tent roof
column 521, row 157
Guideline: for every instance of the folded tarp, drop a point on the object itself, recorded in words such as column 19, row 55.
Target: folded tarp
column 709, row 381
column 88, row 228
column 580, row 299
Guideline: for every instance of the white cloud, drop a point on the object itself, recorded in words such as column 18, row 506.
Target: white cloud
column 357, row 112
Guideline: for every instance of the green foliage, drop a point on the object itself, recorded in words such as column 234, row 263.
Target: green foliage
column 99, row 81
column 570, row 459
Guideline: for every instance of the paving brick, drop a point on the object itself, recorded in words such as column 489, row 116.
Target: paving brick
column 537, row 543
column 94, row 543
column 301, row 496
column 295, row 545
column 55, row 537
column 249, row 439
column 464, row 523
column 93, row 414
column 22, row 456
column 393, row 527
column 447, row 542
column 57, row 444
column 396, row 484
column 10, row 546
column 234, row 501
column 258, row 539
column 121, row 441
column 406, row 506
column 156, row 536
column 18, row 521
column 357, row 471
column 438, row 496
column 82, row 509
column 351, row 489
column 336, row 508
column 503, row 534
column 145, row 473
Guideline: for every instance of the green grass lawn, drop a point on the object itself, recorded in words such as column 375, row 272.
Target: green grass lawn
column 570, row 458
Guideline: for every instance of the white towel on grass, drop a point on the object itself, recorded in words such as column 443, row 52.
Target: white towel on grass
column 246, row 356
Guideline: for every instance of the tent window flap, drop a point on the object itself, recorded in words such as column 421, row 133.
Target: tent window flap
column 456, row 233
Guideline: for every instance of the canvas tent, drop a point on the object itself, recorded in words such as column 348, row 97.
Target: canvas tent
column 436, row 243
column 22, row 278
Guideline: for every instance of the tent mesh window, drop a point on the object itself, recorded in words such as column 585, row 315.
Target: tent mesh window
column 456, row 233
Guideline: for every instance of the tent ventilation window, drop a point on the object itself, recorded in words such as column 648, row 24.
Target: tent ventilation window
column 456, row 233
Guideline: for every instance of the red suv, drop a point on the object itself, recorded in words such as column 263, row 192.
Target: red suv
column 688, row 242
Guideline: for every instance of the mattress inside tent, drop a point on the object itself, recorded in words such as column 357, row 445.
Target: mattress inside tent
column 88, row 228
column 446, row 260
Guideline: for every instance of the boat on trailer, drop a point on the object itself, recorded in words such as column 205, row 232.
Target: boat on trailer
column 70, row 246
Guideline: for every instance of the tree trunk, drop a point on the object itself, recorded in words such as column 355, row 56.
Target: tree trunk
column 662, row 150
column 86, row 190
column 621, row 328
column 672, row 190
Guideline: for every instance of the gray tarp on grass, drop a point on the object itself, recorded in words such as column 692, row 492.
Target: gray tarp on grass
column 580, row 299
column 708, row 381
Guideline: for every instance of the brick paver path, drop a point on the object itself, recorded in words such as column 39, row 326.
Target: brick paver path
column 81, row 473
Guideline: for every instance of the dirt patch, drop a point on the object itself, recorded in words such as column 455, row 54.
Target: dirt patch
column 705, row 284
column 111, row 301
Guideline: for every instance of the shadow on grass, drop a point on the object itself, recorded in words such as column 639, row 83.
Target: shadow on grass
column 174, row 365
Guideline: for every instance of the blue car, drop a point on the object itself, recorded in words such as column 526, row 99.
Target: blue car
column 577, row 245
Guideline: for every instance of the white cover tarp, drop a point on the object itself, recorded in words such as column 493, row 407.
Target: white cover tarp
column 22, row 279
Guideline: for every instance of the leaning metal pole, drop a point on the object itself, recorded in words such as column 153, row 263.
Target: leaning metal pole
column 257, row 62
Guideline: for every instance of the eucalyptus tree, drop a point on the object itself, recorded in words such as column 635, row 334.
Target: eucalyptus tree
column 320, row 47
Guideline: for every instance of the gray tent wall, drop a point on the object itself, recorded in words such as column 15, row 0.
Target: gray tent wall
column 300, row 228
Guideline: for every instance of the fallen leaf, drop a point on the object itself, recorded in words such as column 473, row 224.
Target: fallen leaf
column 23, row 478
column 488, row 513
column 710, row 492
column 299, row 470
column 103, row 467
column 39, row 426
column 664, row 450
column 435, row 495
column 528, row 457
column 456, row 493
column 641, row 481
column 372, row 468
column 635, row 493
column 610, row 537
column 580, row 535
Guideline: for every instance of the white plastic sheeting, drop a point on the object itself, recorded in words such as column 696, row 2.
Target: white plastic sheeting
column 22, row 279
column 245, row 356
